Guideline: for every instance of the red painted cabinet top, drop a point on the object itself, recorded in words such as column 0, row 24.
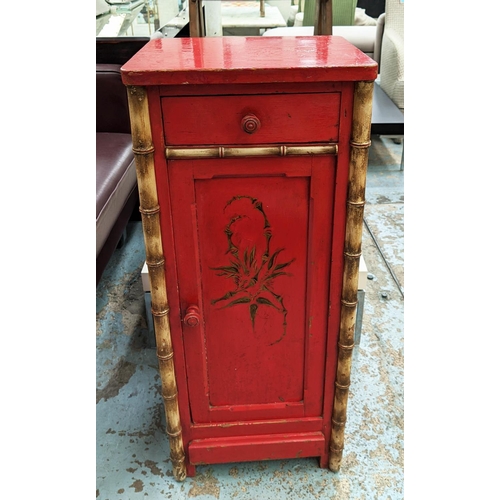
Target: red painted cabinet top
column 251, row 139
column 235, row 60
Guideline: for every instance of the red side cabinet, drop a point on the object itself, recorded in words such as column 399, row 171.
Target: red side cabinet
column 251, row 159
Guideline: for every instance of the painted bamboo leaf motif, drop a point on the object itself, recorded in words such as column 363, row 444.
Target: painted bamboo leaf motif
column 252, row 276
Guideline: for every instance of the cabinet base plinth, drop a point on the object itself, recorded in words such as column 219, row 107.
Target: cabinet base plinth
column 252, row 448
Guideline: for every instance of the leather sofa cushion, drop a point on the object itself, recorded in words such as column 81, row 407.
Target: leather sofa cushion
column 115, row 179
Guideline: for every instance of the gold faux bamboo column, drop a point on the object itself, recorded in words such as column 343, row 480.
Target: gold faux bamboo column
column 143, row 150
column 360, row 142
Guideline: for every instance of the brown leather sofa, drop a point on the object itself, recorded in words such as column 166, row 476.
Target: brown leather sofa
column 116, row 181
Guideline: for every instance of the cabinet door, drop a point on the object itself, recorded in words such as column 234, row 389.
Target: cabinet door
column 253, row 240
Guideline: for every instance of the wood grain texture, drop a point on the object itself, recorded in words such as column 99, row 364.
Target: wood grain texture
column 323, row 19
column 196, row 19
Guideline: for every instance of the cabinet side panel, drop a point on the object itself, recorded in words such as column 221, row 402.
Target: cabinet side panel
column 337, row 251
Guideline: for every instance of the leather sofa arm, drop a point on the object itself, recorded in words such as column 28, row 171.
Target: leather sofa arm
column 112, row 114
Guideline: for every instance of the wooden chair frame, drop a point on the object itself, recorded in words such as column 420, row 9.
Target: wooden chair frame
column 322, row 24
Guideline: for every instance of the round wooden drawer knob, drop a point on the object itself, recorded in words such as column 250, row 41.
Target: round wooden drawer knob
column 250, row 124
column 192, row 317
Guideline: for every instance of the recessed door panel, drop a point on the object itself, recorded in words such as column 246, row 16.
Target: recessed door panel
column 253, row 254
column 253, row 239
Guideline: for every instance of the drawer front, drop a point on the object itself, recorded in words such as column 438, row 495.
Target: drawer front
column 251, row 119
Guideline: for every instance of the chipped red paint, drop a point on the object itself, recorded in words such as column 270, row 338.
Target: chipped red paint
column 236, row 60
column 251, row 448
column 253, row 245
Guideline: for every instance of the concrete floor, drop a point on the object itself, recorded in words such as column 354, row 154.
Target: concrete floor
column 132, row 447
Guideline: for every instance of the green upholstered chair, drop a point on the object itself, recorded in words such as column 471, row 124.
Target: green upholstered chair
column 343, row 12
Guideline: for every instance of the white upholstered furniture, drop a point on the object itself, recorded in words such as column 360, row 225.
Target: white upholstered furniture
column 391, row 62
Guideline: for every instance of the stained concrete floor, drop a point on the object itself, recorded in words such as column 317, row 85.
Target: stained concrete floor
column 132, row 447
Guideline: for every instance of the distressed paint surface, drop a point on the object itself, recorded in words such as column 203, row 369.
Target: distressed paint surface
column 282, row 118
column 132, row 448
column 234, row 59
column 260, row 348
column 210, row 390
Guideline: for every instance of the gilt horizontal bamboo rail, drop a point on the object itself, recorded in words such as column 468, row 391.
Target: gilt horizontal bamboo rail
column 193, row 153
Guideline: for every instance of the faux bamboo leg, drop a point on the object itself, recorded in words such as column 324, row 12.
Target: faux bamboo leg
column 360, row 142
column 143, row 150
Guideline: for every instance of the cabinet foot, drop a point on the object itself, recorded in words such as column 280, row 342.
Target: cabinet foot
column 190, row 470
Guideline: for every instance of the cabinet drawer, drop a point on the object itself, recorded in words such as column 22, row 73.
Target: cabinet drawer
column 276, row 118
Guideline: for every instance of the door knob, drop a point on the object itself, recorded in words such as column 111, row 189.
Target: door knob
column 192, row 317
column 250, row 123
